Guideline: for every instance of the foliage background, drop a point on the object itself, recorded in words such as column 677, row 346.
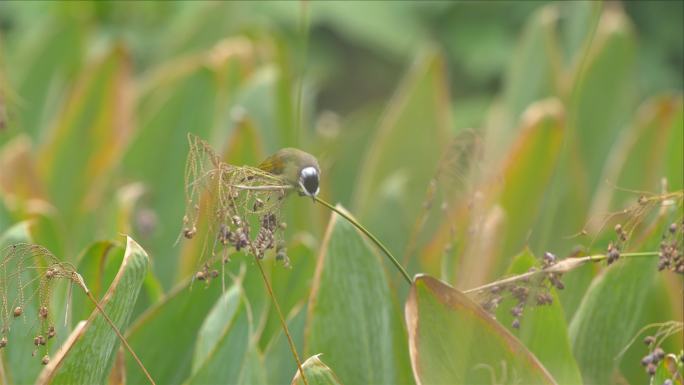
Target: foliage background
column 460, row 133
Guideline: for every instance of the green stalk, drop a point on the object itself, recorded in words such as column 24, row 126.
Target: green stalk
column 369, row 235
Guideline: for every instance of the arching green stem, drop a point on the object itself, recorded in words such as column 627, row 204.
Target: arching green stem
column 369, row 235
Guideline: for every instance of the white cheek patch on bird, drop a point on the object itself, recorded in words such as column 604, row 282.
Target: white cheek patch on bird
column 309, row 181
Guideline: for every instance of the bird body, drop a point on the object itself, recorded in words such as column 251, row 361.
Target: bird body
column 300, row 169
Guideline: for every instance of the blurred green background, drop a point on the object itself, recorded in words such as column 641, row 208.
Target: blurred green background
column 460, row 133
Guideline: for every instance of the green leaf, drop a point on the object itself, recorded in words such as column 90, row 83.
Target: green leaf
column 532, row 73
column 403, row 156
column 98, row 265
column 279, row 360
column 48, row 56
column 351, row 318
column 291, row 285
column 88, row 140
column 224, row 342
column 21, row 366
column 600, row 330
column 645, row 152
column 170, row 323
column 217, row 322
column 543, row 329
column 528, row 169
column 316, row 372
column 453, row 341
column 162, row 145
column 89, row 353
column 602, row 101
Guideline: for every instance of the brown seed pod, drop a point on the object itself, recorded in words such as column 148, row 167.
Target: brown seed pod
column 39, row 340
column 50, row 273
column 51, row 332
column 189, row 232
column 18, row 311
column 200, row 276
column 649, row 340
column 45, row 360
column 3, row 342
column 43, row 312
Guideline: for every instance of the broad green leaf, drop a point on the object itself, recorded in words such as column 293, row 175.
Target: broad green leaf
column 89, row 353
column 175, row 107
column 580, row 19
column 528, row 169
column 225, row 359
column 647, row 151
column 350, row 296
column 532, row 74
column 244, row 145
column 173, row 321
column 253, row 369
column 47, row 57
column 543, row 328
column 316, row 373
column 278, row 357
column 98, row 265
column 515, row 194
column 664, row 304
column 88, row 140
column 453, row 341
column 20, row 365
column 600, row 328
column 291, row 285
column 602, row 101
column 403, row 155
column 217, row 322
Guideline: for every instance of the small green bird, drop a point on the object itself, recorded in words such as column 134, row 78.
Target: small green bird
column 300, row 169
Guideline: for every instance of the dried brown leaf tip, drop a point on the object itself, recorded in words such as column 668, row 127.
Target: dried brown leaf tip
column 27, row 276
column 235, row 208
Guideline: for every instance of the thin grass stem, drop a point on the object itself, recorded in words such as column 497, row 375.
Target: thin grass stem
column 121, row 337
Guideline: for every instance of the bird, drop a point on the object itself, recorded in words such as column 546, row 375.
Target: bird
column 298, row 168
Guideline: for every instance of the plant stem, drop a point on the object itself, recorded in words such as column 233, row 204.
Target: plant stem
column 369, row 235
column 293, row 348
column 563, row 266
column 121, row 337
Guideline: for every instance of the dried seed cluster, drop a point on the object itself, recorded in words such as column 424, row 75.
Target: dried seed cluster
column 535, row 288
column 239, row 207
column 651, row 360
column 671, row 256
column 613, row 253
column 27, row 273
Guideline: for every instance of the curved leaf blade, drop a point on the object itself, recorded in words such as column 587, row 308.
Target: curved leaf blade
column 351, row 295
column 150, row 335
column 470, row 347
column 316, row 372
column 543, row 328
column 90, row 354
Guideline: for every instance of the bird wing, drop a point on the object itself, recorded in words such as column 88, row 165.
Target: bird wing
column 273, row 164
